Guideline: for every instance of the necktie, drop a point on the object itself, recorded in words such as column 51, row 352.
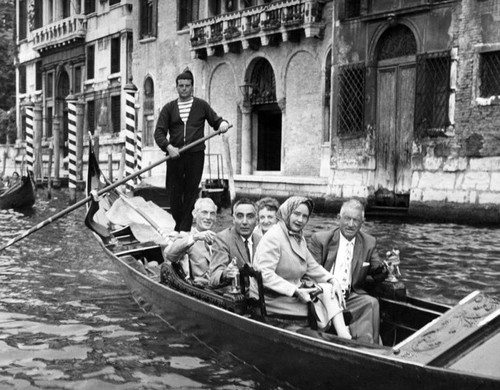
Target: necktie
column 346, row 271
column 249, row 253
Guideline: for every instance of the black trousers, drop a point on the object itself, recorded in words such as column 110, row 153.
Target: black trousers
column 183, row 180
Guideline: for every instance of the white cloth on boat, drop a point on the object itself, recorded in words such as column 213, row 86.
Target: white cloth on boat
column 325, row 306
column 122, row 214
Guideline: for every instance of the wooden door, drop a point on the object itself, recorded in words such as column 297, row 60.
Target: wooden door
column 395, row 110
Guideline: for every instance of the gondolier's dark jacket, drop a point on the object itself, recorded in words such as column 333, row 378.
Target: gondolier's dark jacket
column 170, row 128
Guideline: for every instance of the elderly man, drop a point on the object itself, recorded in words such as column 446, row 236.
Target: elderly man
column 194, row 249
column 234, row 246
column 351, row 256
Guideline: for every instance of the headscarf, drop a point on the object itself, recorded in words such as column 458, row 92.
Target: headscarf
column 287, row 208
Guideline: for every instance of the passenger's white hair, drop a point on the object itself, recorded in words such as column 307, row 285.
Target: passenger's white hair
column 353, row 204
column 201, row 202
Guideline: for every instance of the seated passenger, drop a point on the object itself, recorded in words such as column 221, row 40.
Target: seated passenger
column 284, row 260
column 194, row 249
column 234, row 246
column 351, row 256
column 266, row 209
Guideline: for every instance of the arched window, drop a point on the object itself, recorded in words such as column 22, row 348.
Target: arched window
column 262, row 79
column 396, row 42
column 267, row 118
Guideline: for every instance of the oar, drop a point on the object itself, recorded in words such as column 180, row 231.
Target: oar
column 103, row 191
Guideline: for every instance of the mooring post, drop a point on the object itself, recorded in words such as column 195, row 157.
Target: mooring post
column 70, row 99
column 28, row 106
column 57, row 151
column 37, row 140
column 79, row 139
column 130, row 90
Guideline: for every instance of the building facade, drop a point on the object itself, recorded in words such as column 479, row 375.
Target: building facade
column 395, row 101
column 416, row 107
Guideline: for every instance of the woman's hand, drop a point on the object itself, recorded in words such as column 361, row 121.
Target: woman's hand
column 337, row 292
column 302, row 294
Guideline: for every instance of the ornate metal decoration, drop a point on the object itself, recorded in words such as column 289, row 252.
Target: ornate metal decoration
column 395, row 42
column 264, row 91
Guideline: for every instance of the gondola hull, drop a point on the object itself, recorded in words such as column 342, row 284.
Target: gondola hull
column 20, row 196
column 303, row 361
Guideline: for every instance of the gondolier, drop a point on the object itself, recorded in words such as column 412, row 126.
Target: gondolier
column 181, row 122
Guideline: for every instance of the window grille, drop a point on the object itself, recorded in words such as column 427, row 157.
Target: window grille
column 489, row 69
column 432, row 93
column 264, row 83
column 351, row 102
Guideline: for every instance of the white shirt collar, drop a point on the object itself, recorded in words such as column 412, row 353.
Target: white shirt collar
column 344, row 242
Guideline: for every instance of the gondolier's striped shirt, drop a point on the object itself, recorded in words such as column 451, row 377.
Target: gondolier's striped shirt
column 185, row 109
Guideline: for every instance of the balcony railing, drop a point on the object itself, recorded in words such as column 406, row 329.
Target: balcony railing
column 281, row 17
column 60, row 33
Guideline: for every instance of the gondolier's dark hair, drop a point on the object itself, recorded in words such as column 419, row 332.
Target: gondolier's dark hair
column 186, row 75
column 243, row 201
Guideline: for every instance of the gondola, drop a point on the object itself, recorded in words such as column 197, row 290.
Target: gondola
column 20, row 195
column 426, row 345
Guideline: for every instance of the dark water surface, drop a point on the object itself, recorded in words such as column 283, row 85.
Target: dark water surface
column 67, row 320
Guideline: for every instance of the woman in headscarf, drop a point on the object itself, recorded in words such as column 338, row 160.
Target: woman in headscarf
column 284, row 261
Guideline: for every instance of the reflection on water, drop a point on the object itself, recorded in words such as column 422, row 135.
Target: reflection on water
column 67, row 321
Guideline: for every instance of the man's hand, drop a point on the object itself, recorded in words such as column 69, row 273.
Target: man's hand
column 208, row 236
column 224, row 126
column 230, row 272
column 173, row 152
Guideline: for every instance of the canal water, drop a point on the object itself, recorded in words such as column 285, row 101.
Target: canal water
column 67, row 320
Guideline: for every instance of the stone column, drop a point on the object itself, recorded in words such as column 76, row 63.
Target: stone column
column 246, row 139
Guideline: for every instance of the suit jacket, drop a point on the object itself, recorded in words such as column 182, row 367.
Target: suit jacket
column 195, row 256
column 366, row 262
column 228, row 244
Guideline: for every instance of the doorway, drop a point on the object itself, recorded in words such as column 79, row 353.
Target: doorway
column 268, row 138
column 396, row 74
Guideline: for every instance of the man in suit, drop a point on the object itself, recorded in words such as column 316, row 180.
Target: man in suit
column 234, row 246
column 351, row 256
column 194, row 249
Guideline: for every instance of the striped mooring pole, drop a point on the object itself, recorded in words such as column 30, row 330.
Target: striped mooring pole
column 138, row 154
column 71, row 147
column 130, row 90
column 29, row 136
